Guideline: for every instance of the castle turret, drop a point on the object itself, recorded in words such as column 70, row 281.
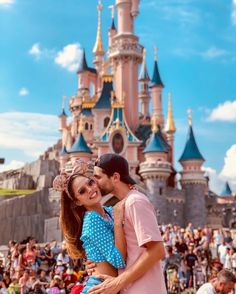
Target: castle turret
column 155, row 171
column 226, row 191
column 102, row 108
column 86, row 76
column 170, row 128
column 144, row 88
column 125, row 55
column 112, row 31
column 98, row 50
column 193, row 180
column 64, row 156
column 80, row 149
column 62, row 116
column 157, row 87
column 135, row 8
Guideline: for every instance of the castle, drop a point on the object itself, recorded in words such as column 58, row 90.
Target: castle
column 106, row 118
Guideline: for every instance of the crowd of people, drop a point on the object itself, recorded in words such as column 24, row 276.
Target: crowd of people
column 125, row 249
column 193, row 257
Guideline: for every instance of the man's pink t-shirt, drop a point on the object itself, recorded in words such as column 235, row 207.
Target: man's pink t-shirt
column 140, row 228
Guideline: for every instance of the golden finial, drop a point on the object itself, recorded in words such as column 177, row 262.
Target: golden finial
column 190, row 118
column 117, row 123
column 63, row 102
column 81, row 124
column 98, row 47
column 144, row 55
column 112, row 7
column 154, row 124
column 155, row 49
column 170, row 125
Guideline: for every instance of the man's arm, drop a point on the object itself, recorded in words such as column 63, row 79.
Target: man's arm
column 154, row 252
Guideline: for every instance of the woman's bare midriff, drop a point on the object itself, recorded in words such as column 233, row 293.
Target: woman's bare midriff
column 105, row 268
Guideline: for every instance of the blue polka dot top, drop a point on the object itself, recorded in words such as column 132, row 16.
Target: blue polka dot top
column 98, row 238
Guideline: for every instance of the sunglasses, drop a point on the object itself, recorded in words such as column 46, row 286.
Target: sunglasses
column 90, row 183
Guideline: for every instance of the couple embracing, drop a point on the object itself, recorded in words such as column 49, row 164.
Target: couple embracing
column 124, row 242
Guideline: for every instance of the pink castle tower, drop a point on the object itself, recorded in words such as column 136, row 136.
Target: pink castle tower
column 125, row 55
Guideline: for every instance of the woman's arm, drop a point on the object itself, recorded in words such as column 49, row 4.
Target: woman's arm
column 120, row 241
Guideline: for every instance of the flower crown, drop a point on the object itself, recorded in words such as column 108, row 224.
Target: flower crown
column 80, row 167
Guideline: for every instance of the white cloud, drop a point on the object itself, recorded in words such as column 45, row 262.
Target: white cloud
column 224, row 112
column 229, row 170
column 69, row 57
column 215, row 182
column 24, row 92
column 14, row 164
column 31, row 133
column 233, row 13
column 35, row 50
column 214, row 52
column 6, row 2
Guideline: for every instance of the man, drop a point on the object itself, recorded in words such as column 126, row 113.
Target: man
column 143, row 273
column 223, row 284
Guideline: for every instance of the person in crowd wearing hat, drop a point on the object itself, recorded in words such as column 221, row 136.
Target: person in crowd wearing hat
column 87, row 226
column 145, row 250
column 224, row 283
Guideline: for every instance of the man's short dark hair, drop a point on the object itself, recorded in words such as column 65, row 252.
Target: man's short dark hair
column 112, row 163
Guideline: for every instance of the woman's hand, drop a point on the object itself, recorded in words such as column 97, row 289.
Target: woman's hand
column 119, row 211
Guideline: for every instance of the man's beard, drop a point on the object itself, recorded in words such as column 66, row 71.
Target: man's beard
column 105, row 192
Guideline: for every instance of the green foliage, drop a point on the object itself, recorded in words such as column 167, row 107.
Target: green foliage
column 9, row 192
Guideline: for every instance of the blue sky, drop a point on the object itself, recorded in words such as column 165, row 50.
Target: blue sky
column 40, row 48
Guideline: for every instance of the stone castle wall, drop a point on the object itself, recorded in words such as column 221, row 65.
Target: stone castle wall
column 24, row 216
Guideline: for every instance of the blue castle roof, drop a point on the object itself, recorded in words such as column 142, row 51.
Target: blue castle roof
column 191, row 151
column 113, row 27
column 226, row 191
column 63, row 150
column 156, row 144
column 63, row 113
column 104, row 100
column 83, row 66
column 80, row 145
column 143, row 76
column 86, row 112
column 156, row 78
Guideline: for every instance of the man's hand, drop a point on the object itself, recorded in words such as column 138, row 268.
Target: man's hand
column 89, row 267
column 110, row 285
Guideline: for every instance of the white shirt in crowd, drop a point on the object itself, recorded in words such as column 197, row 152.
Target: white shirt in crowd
column 222, row 253
column 234, row 260
column 228, row 261
column 206, row 289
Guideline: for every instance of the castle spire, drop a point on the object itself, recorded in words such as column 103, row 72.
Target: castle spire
column 191, row 151
column 113, row 27
column 226, row 191
column 144, row 73
column 80, row 145
column 98, row 47
column 156, row 78
column 170, row 124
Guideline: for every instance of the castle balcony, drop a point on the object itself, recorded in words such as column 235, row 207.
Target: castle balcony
column 127, row 47
column 155, row 169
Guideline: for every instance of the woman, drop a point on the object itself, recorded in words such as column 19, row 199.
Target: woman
column 88, row 227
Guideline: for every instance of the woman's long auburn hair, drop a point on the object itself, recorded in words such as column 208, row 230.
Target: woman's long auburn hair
column 71, row 221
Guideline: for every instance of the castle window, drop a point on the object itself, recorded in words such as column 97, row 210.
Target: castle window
column 160, row 190
column 86, row 126
column 106, row 122
column 91, row 127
